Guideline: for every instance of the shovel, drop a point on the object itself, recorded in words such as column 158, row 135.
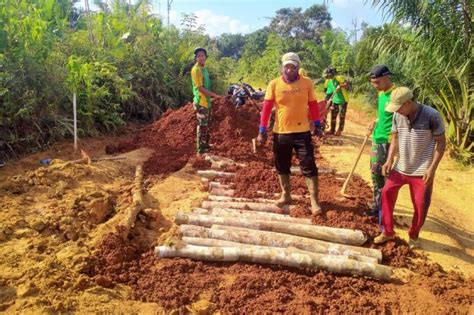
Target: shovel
column 344, row 187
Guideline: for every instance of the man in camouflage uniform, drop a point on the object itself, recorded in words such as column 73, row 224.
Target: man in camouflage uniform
column 202, row 99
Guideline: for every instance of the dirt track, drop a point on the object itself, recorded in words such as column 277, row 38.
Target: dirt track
column 60, row 253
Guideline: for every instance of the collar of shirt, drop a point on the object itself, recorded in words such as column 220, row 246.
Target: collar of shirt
column 417, row 114
column 286, row 81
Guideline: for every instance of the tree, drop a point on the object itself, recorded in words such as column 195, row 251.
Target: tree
column 308, row 24
column 230, row 45
column 434, row 53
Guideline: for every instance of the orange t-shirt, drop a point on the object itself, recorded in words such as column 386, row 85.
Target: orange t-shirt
column 291, row 104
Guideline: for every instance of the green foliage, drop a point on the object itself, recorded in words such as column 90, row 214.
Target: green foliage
column 432, row 53
column 305, row 25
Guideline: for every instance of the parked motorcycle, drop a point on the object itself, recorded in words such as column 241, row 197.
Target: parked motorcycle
column 241, row 92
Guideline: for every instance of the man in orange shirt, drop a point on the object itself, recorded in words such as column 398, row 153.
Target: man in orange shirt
column 293, row 96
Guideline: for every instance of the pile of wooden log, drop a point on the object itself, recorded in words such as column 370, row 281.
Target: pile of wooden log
column 225, row 228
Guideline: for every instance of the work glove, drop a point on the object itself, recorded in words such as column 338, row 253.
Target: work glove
column 262, row 135
column 318, row 130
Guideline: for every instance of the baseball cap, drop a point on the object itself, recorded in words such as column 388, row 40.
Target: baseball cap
column 198, row 49
column 379, row 71
column 290, row 57
column 398, row 97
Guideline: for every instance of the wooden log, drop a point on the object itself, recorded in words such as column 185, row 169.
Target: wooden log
column 219, row 185
column 338, row 235
column 257, row 215
column 262, row 194
column 277, row 256
column 222, row 192
column 257, row 206
column 222, row 160
column 274, row 239
column 238, row 199
column 211, row 242
column 213, row 174
column 137, row 202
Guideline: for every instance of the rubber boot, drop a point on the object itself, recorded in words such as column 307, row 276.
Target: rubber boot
column 312, row 183
column 285, row 197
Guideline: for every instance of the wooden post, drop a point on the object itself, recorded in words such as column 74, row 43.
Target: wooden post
column 278, row 256
column 212, row 174
column 256, row 215
column 137, row 202
column 74, row 108
column 343, row 236
column 265, row 238
column 265, row 207
column 210, row 242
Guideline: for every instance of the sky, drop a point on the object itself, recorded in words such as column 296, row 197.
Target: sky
column 246, row 16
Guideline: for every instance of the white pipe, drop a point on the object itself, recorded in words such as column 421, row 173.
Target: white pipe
column 75, row 120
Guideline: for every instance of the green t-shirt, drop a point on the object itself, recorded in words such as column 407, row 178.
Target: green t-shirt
column 200, row 77
column 383, row 129
column 339, row 97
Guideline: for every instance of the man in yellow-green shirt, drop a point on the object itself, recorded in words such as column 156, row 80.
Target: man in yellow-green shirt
column 335, row 86
column 202, row 99
column 293, row 97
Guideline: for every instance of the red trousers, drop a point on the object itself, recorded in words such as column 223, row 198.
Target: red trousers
column 420, row 197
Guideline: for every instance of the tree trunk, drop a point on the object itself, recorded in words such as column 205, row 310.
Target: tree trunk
column 273, row 239
column 210, row 242
column 219, row 185
column 278, row 256
column 212, row 174
column 255, row 215
column 222, row 192
column 137, row 202
column 238, row 199
column 265, row 207
column 344, row 236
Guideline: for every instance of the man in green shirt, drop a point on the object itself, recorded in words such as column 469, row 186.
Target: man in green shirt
column 202, row 99
column 381, row 80
column 336, row 84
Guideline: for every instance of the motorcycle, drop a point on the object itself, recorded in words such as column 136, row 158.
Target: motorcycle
column 241, row 92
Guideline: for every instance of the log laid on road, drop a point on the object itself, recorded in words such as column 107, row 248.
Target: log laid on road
column 257, row 206
column 213, row 174
column 137, row 202
column 261, row 193
column 257, row 215
column 278, row 256
column 238, row 199
column 274, row 239
column 219, row 185
column 222, row 192
column 343, row 236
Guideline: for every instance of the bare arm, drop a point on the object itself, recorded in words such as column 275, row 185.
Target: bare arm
column 207, row 92
column 438, row 154
column 392, row 152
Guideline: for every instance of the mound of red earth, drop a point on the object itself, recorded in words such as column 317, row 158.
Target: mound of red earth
column 173, row 136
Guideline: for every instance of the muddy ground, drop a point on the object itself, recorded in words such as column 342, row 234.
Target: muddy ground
column 61, row 251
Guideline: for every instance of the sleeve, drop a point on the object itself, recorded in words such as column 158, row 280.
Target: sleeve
column 196, row 76
column 267, row 106
column 340, row 79
column 313, row 110
column 394, row 123
column 436, row 124
column 265, row 114
column 311, row 95
column 270, row 92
